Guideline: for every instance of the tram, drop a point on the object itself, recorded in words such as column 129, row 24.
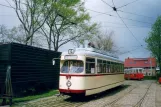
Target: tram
column 134, row 73
column 87, row 71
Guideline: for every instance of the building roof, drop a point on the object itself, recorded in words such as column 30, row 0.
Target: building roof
column 140, row 62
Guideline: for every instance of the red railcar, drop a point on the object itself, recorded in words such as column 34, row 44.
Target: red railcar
column 160, row 80
column 134, row 74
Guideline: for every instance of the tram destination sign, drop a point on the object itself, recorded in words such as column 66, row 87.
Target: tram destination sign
column 71, row 57
column 71, row 51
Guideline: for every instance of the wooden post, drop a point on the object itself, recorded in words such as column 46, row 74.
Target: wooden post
column 8, row 88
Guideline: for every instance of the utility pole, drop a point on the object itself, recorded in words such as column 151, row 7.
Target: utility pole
column 151, row 65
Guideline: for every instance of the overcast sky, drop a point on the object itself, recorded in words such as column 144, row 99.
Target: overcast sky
column 138, row 15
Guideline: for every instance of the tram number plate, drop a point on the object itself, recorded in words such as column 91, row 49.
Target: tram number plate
column 71, row 57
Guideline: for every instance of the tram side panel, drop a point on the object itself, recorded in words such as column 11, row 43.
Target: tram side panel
column 99, row 83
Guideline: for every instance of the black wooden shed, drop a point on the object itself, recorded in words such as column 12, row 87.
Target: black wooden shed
column 31, row 68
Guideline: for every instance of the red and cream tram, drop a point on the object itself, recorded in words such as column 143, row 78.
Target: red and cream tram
column 88, row 71
column 134, row 73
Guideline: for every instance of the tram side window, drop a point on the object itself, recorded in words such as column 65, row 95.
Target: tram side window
column 99, row 66
column 118, row 68
column 104, row 67
column 90, row 65
column 107, row 67
column 122, row 67
column 112, row 67
column 140, row 70
column 115, row 68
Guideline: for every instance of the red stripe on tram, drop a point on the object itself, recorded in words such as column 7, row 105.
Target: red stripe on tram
column 71, row 91
column 83, row 75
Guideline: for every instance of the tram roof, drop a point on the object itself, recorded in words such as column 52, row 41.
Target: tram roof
column 93, row 53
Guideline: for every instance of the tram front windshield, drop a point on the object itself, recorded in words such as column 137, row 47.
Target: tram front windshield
column 72, row 66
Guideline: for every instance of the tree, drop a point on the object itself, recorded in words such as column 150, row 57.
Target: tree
column 29, row 13
column 154, row 40
column 105, row 42
column 87, row 32
column 64, row 23
column 15, row 34
column 3, row 33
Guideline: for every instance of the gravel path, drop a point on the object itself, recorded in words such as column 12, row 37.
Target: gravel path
column 158, row 95
column 145, row 93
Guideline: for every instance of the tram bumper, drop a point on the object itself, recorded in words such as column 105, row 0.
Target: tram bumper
column 72, row 92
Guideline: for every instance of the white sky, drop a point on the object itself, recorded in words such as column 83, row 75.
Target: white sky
column 124, row 40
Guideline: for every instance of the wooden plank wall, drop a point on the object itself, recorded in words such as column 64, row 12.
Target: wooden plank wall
column 4, row 61
column 31, row 68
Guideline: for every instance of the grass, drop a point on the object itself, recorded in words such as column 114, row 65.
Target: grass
column 149, row 77
column 33, row 97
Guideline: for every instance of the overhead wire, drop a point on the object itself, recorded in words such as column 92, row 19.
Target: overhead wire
column 113, row 2
column 123, row 24
column 120, row 27
column 127, row 26
column 115, row 9
column 96, row 12
column 121, row 17
column 106, row 3
column 130, row 50
column 6, row 6
column 137, row 47
column 8, row 3
column 127, row 4
column 128, row 29
column 134, row 14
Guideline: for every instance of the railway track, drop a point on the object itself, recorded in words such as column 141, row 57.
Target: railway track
column 142, row 99
column 111, row 104
column 139, row 103
column 61, row 101
column 77, row 101
column 69, row 102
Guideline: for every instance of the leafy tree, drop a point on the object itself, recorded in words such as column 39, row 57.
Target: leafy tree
column 154, row 40
column 65, row 23
column 29, row 13
column 105, row 42
column 15, row 34
column 84, row 33
column 3, row 33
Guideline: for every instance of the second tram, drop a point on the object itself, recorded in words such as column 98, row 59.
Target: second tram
column 88, row 71
column 134, row 73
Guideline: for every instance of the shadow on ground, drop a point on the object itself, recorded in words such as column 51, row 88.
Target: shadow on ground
column 107, row 93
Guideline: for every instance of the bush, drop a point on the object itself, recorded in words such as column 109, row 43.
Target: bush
column 150, row 77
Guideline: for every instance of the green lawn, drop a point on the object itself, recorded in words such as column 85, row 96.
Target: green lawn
column 149, row 77
column 33, row 97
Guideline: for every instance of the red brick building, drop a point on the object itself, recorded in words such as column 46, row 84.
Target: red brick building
column 148, row 64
